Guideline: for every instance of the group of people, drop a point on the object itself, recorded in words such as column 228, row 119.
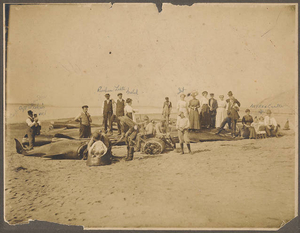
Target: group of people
column 208, row 112
column 259, row 125
column 192, row 116
column 111, row 111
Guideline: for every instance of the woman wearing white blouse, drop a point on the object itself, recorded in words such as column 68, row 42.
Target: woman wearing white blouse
column 204, row 114
column 182, row 106
column 128, row 110
column 221, row 111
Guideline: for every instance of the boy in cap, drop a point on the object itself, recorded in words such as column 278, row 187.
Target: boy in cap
column 85, row 120
column 182, row 126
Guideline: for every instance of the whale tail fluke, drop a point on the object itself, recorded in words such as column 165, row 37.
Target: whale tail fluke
column 20, row 148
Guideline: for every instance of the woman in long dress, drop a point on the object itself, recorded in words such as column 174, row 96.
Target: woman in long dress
column 204, row 114
column 128, row 110
column 221, row 111
column 194, row 104
column 182, row 105
column 248, row 130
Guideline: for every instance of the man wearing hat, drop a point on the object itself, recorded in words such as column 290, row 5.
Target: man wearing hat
column 85, row 120
column 120, row 105
column 232, row 114
column 107, row 109
column 167, row 108
column 213, row 105
column 271, row 125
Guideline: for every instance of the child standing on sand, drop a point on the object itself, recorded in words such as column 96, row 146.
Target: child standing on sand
column 182, row 126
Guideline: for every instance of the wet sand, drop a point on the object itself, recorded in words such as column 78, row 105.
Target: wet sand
column 236, row 184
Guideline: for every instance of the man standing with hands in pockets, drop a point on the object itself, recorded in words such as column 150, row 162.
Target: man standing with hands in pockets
column 85, row 120
column 182, row 126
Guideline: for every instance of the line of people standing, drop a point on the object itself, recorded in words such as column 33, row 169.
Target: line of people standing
column 113, row 109
column 203, row 112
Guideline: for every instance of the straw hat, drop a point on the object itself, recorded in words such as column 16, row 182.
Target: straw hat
column 194, row 93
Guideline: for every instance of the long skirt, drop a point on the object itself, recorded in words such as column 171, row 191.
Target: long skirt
column 249, row 132
column 194, row 119
column 221, row 115
column 205, row 116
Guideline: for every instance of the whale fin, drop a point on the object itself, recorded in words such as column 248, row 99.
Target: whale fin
column 20, row 148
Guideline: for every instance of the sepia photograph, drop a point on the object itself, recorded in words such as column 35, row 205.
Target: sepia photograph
column 127, row 116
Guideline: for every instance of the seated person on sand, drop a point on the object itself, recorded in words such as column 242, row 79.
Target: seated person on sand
column 98, row 136
column 272, row 127
column 146, row 130
column 160, row 127
column 259, row 125
column 248, row 130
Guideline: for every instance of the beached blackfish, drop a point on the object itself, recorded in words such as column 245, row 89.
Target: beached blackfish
column 60, row 149
column 41, row 140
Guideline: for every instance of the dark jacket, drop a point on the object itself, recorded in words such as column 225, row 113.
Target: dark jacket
column 232, row 111
column 214, row 104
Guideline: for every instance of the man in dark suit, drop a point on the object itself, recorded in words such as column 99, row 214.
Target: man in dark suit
column 120, row 105
column 213, row 105
column 107, row 108
column 232, row 114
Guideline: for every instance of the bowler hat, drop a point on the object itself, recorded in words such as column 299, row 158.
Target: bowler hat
column 120, row 94
column 85, row 106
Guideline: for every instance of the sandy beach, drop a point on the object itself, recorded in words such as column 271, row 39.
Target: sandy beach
column 238, row 184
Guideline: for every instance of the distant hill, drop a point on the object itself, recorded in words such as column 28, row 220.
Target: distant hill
column 280, row 103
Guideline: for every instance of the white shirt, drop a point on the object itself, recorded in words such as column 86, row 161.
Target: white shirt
column 270, row 121
column 30, row 123
column 129, row 109
column 203, row 100
column 222, row 104
column 183, row 123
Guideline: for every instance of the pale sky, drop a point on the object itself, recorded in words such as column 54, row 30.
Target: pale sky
column 62, row 54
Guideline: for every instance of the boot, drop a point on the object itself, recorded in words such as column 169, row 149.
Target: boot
column 189, row 147
column 181, row 146
column 127, row 156
column 130, row 156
